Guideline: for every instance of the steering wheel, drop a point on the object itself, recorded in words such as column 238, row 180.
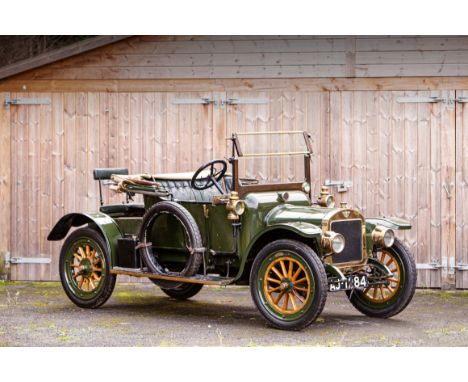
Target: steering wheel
column 213, row 178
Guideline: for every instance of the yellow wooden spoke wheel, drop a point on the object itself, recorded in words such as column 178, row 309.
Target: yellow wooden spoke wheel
column 384, row 292
column 86, row 268
column 286, row 285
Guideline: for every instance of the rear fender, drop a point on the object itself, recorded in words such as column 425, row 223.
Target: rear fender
column 104, row 223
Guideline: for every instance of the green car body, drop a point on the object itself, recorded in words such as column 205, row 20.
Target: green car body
column 291, row 249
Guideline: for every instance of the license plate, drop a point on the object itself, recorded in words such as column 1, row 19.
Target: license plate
column 351, row 282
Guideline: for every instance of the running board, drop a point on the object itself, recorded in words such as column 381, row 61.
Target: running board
column 197, row 279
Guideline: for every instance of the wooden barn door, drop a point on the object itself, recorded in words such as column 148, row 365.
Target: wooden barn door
column 59, row 138
column 461, row 191
column 280, row 111
column 398, row 149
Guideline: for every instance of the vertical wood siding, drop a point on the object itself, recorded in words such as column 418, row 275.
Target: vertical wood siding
column 397, row 155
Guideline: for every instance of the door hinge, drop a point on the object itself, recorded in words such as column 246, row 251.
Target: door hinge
column 24, row 260
column 341, row 185
column 25, row 101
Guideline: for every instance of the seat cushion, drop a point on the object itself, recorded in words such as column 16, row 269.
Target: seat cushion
column 181, row 190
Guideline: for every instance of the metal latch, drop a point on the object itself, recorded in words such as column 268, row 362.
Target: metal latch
column 192, row 101
column 417, row 99
column 245, row 101
column 461, row 267
column 25, row 101
column 461, row 99
column 24, row 260
column 341, row 185
column 434, row 265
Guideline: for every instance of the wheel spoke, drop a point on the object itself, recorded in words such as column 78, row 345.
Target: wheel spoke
column 276, row 301
column 97, row 269
column 290, row 271
column 394, row 280
column 277, row 273
column 375, row 293
column 274, row 289
column 299, row 297
column 283, row 268
column 382, row 292
column 286, row 301
column 300, row 280
column 301, row 289
column 81, row 251
column 92, row 283
column 297, row 273
column 293, row 301
column 389, row 262
column 80, row 283
column 77, row 256
column 273, row 280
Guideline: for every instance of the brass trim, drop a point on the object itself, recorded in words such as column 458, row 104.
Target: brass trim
column 340, row 215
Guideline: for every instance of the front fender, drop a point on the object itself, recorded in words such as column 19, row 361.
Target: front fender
column 389, row 222
column 106, row 225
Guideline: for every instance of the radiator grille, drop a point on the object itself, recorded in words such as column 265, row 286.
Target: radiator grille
column 352, row 232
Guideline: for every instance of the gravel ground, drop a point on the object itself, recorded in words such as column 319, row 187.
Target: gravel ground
column 40, row 314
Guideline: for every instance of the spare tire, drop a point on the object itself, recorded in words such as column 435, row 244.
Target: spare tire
column 193, row 242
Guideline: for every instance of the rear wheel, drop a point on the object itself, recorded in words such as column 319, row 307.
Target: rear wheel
column 184, row 291
column 288, row 284
column 389, row 298
column 85, row 269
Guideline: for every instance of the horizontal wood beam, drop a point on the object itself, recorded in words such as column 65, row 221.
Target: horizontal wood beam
column 294, row 84
column 58, row 54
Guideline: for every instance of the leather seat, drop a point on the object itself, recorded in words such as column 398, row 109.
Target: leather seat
column 181, row 190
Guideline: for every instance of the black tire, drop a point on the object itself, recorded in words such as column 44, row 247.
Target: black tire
column 193, row 235
column 404, row 293
column 183, row 291
column 302, row 256
column 83, row 298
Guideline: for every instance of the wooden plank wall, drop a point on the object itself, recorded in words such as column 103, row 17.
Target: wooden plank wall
column 202, row 57
column 462, row 190
column 408, row 156
column 398, row 156
column 55, row 148
column 5, row 181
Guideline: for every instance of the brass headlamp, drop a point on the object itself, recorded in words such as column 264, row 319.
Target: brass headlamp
column 325, row 199
column 332, row 242
column 383, row 236
column 235, row 206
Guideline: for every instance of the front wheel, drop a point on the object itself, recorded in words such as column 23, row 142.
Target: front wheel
column 390, row 297
column 85, row 269
column 288, row 284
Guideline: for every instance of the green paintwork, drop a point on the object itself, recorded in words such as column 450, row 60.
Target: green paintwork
column 265, row 212
column 104, row 223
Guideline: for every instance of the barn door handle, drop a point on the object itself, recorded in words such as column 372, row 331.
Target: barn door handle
column 449, row 194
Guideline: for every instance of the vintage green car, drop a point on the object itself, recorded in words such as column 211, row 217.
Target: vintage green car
column 212, row 227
